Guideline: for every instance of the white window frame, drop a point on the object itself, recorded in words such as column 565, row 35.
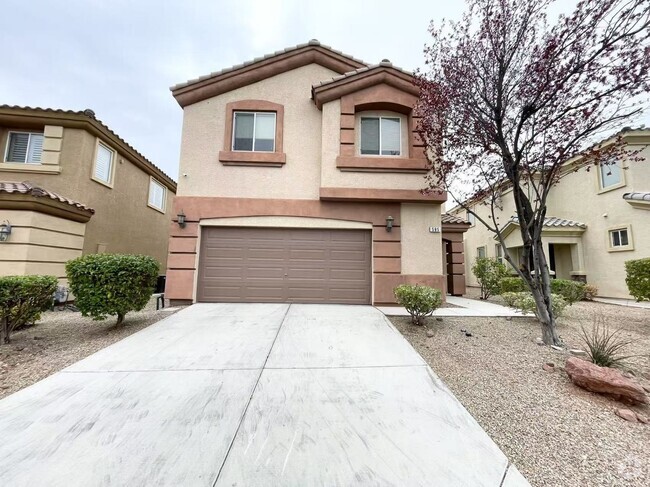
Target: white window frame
column 478, row 253
column 380, row 117
column 498, row 252
column 471, row 218
column 29, row 142
column 620, row 184
column 254, row 113
column 111, row 174
column 610, row 238
column 164, row 198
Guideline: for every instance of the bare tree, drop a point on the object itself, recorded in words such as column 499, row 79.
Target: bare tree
column 508, row 99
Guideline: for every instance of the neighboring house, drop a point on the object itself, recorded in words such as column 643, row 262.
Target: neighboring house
column 70, row 186
column 596, row 220
column 293, row 169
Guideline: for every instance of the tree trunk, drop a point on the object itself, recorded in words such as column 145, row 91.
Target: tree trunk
column 542, row 295
column 4, row 335
column 120, row 318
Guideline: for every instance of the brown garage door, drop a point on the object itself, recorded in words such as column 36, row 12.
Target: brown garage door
column 284, row 265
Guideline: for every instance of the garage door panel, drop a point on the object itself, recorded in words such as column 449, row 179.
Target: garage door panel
column 285, row 265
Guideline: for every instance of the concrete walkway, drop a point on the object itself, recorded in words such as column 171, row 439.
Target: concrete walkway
column 249, row 395
column 624, row 302
column 466, row 307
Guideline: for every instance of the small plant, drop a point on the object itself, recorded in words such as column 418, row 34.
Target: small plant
column 591, row 292
column 638, row 278
column 22, row 300
column 571, row 291
column 524, row 301
column 512, row 285
column 489, row 273
column 419, row 301
column 605, row 347
column 112, row 284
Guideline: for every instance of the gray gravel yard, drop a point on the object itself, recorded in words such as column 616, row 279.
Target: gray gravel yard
column 555, row 433
column 61, row 338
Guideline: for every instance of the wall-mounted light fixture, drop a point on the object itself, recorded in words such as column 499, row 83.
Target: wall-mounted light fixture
column 5, row 231
column 181, row 219
column 389, row 223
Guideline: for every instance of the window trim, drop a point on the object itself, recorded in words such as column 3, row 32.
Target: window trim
column 162, row 210
column 109, row 183
column 499, row 250
column 380, row 117
column 228, row 157
column 484, row 247
column 254, row 113
column 599, row 179
column 620, row 248
column 30, row 133
column 471, row 218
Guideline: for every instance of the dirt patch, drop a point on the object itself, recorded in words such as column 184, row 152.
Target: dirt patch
column 555, row 433
column 61, row 338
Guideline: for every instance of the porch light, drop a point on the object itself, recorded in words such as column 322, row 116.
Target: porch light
column 389, row 223
column 5, row 231
column 181, row 219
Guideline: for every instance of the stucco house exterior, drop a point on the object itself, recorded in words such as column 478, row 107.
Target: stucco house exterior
column 596, row 220
column 300, row 181
column 70, row 186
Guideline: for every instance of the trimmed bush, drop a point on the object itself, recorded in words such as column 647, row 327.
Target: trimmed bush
column 489, row 273
column 419, row 301
column 638, row 278
column 571, row 291
column 512, row 285
column 22, row 300
column 524, row 301
column 112, row 284
column 591, row 292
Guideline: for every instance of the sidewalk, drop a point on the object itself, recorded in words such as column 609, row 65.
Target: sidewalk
column 624, row 302
column 468, row 307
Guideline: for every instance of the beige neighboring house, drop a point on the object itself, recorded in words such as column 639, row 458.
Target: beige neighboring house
column 300, row 182
column 70, row 186
column 596, row 220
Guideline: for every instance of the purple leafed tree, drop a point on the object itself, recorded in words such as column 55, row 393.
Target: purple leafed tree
column 507, row 99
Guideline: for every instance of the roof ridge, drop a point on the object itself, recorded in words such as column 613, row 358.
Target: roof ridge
column 383, row 64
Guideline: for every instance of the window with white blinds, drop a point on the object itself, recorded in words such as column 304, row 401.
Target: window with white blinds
column 25, row 147
column 156, row 195
column 103, row 164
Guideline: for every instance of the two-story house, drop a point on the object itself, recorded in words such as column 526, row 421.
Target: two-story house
column 69, row 186
column 300, row 181
column 597, row 220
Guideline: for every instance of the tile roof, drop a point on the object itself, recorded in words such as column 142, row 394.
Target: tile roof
column 384, row 64
column 552, row 221
column 637, row 196
column 27, row 188
column 90, row 114
column 313, row 42
column 447, row 218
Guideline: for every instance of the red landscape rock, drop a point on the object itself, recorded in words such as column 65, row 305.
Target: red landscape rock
column 627, row 415
column 604, row 380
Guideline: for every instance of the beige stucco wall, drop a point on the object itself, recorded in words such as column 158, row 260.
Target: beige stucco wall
column 577, row 197
column 122, row 221
column 421, row 250
column 39, row 243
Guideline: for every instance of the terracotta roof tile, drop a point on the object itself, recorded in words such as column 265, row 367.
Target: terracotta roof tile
column 447, row 218
column 384, row 64
column 11, row 187
column 637, row 196
column 552, row 221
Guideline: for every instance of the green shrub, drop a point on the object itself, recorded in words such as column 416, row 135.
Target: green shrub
column 419, row 301
column 591, row 292
column 524, row 301
column 638, row 278
column 111, row 284
column 22, row 300
column 571, row 291
column 605, row 347
column 512, row 285
column 489, row 273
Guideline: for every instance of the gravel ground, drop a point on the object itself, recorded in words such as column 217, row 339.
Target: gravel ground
column 61, row 338
column 555, row 433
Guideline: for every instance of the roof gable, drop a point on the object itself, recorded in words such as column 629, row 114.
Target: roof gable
column 264, row 67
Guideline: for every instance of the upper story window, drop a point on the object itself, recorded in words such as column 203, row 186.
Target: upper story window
column 620, row 238
column 254, row 131
column 481, row 252
column 103, row 164
column 471, row 219
column 610, row 175
column 157, row 193
column 381, row 136
column 25, row 147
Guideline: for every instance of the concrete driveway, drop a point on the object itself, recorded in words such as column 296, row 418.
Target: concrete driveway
column 249, row 395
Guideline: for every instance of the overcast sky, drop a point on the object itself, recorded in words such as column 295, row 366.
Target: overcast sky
column 119, row 57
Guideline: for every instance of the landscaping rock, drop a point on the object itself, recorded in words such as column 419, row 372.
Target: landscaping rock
column 642, row 419
column 429, row 333
column 438, row 319
column 604, row 380
column 556, row 348
column 468, row 334
column 549, row 367
column 627, row 415
column 539, row 342
column 577, row 352
column 647, row 389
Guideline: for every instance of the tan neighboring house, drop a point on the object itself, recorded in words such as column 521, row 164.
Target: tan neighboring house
column 596, row 220
column 70, row 186
column 300, row 182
